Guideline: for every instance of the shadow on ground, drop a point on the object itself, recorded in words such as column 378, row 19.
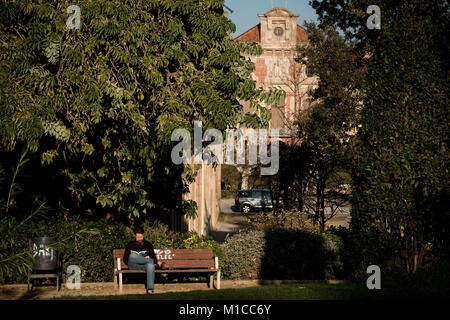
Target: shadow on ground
column 231, row 222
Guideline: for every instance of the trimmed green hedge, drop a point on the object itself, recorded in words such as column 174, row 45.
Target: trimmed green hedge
column 282, row 254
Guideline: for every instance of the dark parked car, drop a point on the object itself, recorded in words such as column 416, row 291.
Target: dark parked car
column 254, row 199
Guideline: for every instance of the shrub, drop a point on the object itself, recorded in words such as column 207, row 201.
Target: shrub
column 159, row 235
column 200, row 242
column 284, row 220
column 244, row 252
column 354, row 264
column 228, row 194
column 13, row 244
column 337, row 240
column 91, row 252
column 281, row 254
column 431, row 281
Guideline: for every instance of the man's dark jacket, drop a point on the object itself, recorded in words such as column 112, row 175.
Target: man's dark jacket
column 135, row 246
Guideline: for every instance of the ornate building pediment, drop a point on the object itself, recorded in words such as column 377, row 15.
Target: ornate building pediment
column 278, row 28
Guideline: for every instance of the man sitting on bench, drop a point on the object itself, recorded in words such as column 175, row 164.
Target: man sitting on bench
column 139, row 255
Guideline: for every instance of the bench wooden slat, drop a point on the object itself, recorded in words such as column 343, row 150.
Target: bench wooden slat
column 185, row 257
column 184, row 254
column 179, row 264
column 179, row 251
column 172, row 271
column 132, row 271
column 187, row 271
column 189, row 264
column 187, row 251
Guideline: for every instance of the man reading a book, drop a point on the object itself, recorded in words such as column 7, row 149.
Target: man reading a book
column 139, row 255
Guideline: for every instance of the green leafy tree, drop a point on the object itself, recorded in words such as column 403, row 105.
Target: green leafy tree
column 401, row 159
column 351, row 16
column 326, row 129
column 98, row 104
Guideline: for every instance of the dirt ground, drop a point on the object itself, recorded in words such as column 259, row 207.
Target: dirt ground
column 19, row 291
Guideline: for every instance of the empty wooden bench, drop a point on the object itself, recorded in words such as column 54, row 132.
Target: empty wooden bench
column 176, row 261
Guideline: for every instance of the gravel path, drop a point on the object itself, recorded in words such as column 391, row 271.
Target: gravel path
column 230, row 221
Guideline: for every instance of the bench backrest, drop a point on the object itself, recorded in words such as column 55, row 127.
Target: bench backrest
column 176, row 258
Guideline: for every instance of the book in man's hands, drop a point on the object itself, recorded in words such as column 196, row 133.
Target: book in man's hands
column 141, row 253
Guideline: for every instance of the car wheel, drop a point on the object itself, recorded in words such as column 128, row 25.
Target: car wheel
column 246, row 208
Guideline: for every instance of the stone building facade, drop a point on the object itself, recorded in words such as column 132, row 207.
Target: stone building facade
column 279, row 65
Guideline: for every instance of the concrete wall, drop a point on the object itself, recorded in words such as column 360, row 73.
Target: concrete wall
column 206, row 192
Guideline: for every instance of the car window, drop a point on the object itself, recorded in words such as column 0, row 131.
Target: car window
column 257, row 194
column 266, row 195
column 243, row 193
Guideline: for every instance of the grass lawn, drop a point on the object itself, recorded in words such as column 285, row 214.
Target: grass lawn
column 307, row 291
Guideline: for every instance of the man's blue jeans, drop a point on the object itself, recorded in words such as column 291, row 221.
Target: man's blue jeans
column 137, row 262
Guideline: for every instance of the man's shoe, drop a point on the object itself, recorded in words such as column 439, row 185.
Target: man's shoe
column 153, row 291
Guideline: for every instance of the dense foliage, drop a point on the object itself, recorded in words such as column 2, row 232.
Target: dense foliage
column 400, row 161
column 351, row 16
column 284, row 219
column 401, row 179
column 327, row 128
column 97, row 105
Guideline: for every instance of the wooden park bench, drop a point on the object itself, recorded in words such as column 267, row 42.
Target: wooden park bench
column 176, row 261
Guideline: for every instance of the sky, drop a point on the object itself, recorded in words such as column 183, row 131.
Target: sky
column 245, row 12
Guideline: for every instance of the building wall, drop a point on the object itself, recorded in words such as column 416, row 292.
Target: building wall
column 277, row 66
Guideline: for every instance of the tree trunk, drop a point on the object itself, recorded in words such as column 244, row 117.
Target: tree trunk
column 320, row 203
column 245, row 171
column 244, row 182
column 317, row 207
column 322, row 211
